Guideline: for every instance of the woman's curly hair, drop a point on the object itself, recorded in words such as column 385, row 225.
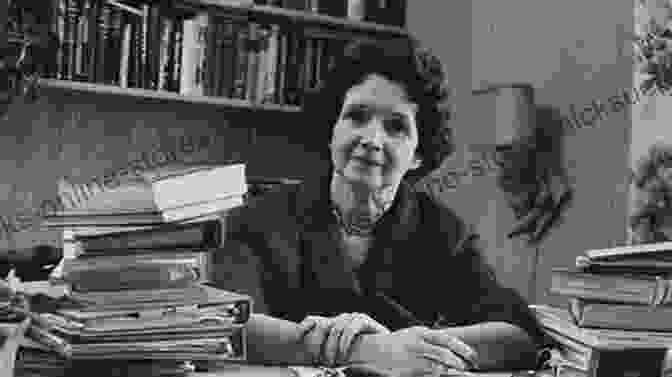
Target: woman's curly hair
column 404, row 61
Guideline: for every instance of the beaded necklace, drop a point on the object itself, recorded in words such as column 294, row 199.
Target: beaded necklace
column 357, row 225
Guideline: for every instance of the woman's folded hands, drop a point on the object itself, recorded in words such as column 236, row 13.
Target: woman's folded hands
column 357, row 339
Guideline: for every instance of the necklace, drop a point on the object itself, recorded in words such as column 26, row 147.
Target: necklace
column 356, row 225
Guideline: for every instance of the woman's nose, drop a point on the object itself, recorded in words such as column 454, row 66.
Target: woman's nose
column 373, row 134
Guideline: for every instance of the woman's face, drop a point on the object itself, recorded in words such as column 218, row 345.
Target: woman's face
column 376, row 136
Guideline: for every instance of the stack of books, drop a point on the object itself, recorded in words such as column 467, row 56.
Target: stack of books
column 618, row 319
column 175, row 194
column 137, row 283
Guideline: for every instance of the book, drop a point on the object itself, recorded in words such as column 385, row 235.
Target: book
column 626, row 363
column 620, row 316
column 131, row 296
column 78, row 218
column 624, row 288
column 630, row 265
column 194, row 32
column 72, row 233
column 230, row 347
column 558, row 322
column 211, row 297
column 649, row 250
column 226, row 304
column 204, row 210
column 198, row 185
column 121, row 280
column 199, row 260
column 202, row 234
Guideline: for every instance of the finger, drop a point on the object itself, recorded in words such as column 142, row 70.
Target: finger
column 310, row 320
column 314, row 340
column 361, row 324
column 452, row 343
column 308, row 323
column 331, row 347
column 357, row 326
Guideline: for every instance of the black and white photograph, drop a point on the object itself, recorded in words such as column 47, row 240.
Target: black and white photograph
column 335, row 188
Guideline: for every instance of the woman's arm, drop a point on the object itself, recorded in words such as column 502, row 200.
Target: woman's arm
column 275, row 341
column 498, row 345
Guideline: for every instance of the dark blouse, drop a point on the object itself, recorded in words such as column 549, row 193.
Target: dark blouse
column 424, row 267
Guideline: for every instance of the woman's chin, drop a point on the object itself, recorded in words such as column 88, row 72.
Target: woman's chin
column 355, row 176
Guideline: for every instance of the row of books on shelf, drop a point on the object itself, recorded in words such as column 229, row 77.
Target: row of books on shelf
column 618, row 316
column 149, row 45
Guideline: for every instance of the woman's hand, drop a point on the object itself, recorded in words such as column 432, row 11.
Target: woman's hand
column 416, row 350
column 329, row 339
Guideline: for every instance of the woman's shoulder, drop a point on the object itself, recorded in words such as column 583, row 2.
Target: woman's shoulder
column 442, row 215
column 272, row 207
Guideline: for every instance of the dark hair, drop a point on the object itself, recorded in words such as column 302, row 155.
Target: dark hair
column 404, row 61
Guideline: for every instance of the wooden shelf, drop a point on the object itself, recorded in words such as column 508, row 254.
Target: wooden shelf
column 145, row 94
column 300, row 17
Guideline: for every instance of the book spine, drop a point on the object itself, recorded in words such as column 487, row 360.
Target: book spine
column 281, row 69
column 72, row 14
column 308, row 68
column 177, row 57
column 153, row 45
column 187, row 76
column 217, row 67
column 144, row 276
column 242, row 55
column 295, row 48
column 197, row 235
column 605, row 287
column 59, row 30
column 165, row 54
column 262, row 64
column 125, row 58
column 104, row 20
column 200, row 261
column 272, row 62
column 113, row 49
column 227, row 64
column 81, row 42
column 629, row 362
column 135, row 58
column 92, row 31
column 254, row 47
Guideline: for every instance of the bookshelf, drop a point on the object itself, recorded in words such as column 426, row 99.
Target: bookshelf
column 251, row 58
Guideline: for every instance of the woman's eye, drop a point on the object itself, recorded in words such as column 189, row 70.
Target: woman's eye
column 357, row 115
column 395, row 126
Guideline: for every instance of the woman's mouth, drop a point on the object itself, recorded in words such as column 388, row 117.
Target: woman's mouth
column 367, row 161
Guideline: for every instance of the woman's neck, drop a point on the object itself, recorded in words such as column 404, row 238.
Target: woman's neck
column 359, row 204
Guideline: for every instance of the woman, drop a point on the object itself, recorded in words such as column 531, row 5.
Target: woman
column 358, row 267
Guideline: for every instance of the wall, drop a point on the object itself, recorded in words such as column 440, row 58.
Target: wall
column 572, row 52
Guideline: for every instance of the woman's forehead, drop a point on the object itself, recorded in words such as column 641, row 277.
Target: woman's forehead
column 379, row 92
